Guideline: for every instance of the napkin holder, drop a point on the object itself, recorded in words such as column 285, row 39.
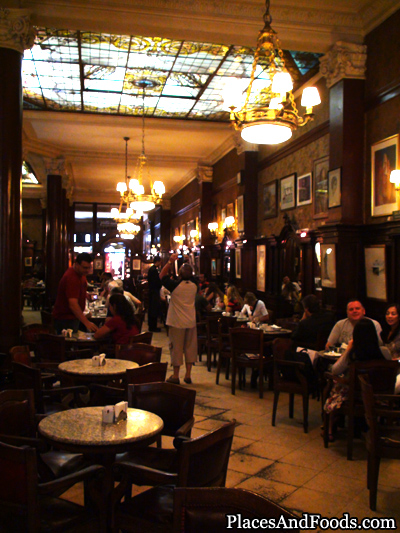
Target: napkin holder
column 112, row 414
column 108, row 414
column 67, row 333
column 99, row 360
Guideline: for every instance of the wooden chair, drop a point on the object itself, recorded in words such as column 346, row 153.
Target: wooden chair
column 30, row 333
column 207, row 509
column 18, row 421
column 47, row 319
column 50, row 348
column 383, row 441
column 150, row 373
column 21, row 354
column 138, row 353
column 47, row 400
column 29, row 506
column 248, row 352
column 201, row 338
column 200, row 462
column 290, row 377
column 140, row 318
column 145, row 338
column 382, row 377
column 212, row 340
column 224, row 344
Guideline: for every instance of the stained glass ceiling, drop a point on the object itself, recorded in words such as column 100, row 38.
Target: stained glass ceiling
column 98, row 73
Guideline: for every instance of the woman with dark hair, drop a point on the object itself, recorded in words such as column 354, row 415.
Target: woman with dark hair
column 215, row 296
column 390, row 333
column 363, row 347
column 123, row 324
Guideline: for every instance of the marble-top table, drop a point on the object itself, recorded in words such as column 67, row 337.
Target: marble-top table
column 84, row 370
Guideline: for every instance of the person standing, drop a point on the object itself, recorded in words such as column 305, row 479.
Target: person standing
column 155, row 285
column 71, row 296
column 181, row 318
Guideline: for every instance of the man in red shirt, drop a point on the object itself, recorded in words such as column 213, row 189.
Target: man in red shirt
column 71, row 296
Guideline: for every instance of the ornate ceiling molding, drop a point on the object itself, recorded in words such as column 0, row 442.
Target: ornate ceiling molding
column 345, row 60
column 16, row 31
column 204, row 174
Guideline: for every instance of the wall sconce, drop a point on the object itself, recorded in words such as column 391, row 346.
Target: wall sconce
column 229, row 223
column 213, row 227
column 193, row 234
column 395, row 179
column 179, row 238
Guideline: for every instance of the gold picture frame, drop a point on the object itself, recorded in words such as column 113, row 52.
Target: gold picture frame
column 384, row 159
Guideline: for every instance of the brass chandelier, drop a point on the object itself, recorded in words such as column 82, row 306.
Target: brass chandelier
column 270, row 116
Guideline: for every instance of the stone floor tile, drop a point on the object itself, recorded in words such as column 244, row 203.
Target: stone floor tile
column 311, row 501
column 248, row 464
column 263, row 448
column 291, row 474
column 273, row 490
column 332, row 484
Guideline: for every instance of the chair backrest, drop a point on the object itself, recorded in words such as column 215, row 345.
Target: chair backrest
column 150, row 373
column 21, row 354
column 138, row 353
column 18, row 488
column 280, row 347
column 145, row 338
column 27, row 377
column 209, row 509
column 50, row 348
column 212, row 327
column 140, row 319
column 173, row 403
column 31, row 332
column 247, row 340
column 381, row 375
column 225, row 323
column 367, row 394
column 203, row 461
column 17, row 413
column 47, row 319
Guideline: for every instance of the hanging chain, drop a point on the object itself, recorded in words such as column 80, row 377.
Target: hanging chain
column 143, row 123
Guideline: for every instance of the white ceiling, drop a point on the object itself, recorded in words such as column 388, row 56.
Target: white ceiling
column 92, row 145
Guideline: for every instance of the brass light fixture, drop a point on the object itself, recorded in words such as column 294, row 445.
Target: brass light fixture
column 270, row 115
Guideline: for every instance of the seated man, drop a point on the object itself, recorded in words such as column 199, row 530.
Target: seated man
column 314, row 323
column 254, row 309
column 343, row 330
column 202, row 306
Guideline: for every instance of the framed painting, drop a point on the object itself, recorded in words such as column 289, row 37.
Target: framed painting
column 213, row 268
column 98, row 263
column 270, row 200
column 328, row 265
column 238, row 262
column 321, row 187
column 240, row 213
column 261, row 264
column 183, row 231
column 223, row 215
column 136, row 264
column 304, row 189
column 384, row 159
column 334, row 188
column 28, row 261
column 375, row 272
column 288, row 192
column 230, row 210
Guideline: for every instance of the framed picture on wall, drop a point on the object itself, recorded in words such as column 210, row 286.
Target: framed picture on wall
column 136, row 264
column 213, row 268
column 261, row 266
column 230, row 210
column 223, row 214
column 375, row 272
column 334, row 188
column 384, row 159
column 28, row 261
column 238, row 262
column 288, row 192
column 183, row 231
column 240, row 213
column 270, row 200
column 304, row 189
column 321, row 187
column 98, row 263
column 328, row 265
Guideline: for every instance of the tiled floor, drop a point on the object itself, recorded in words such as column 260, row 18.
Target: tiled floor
column 283, row 463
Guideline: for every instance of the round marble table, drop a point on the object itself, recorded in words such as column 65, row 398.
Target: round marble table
column 84, row 370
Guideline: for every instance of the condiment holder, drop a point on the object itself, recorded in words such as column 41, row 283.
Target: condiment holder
column 67, row 333
column 99, row 360
column 112, row 414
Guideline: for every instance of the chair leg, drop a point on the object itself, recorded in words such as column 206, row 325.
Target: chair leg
column 261, row 384
column 305, row 413
column 208, row 358
column 291, row 405
column 228, row 364
column 233, row 378
column 275, row 406
column 350, row 437
column 326, row 428
column 218, row 369
column 374, row 463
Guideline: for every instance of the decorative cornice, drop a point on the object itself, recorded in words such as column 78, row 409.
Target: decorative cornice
column 16, row 31
column 55, row 166
column 344, row 60
column 204, row 173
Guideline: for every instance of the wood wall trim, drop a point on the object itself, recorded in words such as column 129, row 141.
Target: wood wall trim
column 286, row 151
column 227, row 185
column 187, row 208
column 387, row 93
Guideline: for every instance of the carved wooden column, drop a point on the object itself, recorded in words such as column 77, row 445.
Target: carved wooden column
column 54, row 220
column 16, row 34
column 204, row 177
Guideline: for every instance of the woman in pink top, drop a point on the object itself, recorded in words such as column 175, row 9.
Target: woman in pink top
column 123, row 323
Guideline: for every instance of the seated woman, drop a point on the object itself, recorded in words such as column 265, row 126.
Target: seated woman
column 390, row 335
column 235, row 301
column 123, row 324
column 363, row 347
column 215, row 296
column 254, row 309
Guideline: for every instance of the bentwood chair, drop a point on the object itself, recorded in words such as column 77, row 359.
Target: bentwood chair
column 382, row 377
column 33, row 507
column 199, row 462
column 215, row 508
column 382, row 412
column 247, row 347
column 145, row 338
column 139, row 353
column 212, row 340
column 224, row 344
column 30, row 333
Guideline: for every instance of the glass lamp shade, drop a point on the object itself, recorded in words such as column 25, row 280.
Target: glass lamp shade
column 114, row 212
column 213, row 226
column 233, row 93
column 266, row 133
column 142, row 206
column 395, row 178
column 282, row 83
column 229, row 222
column 310, row 97
column 121, row 187
column 159, row 188
column 193, row 233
